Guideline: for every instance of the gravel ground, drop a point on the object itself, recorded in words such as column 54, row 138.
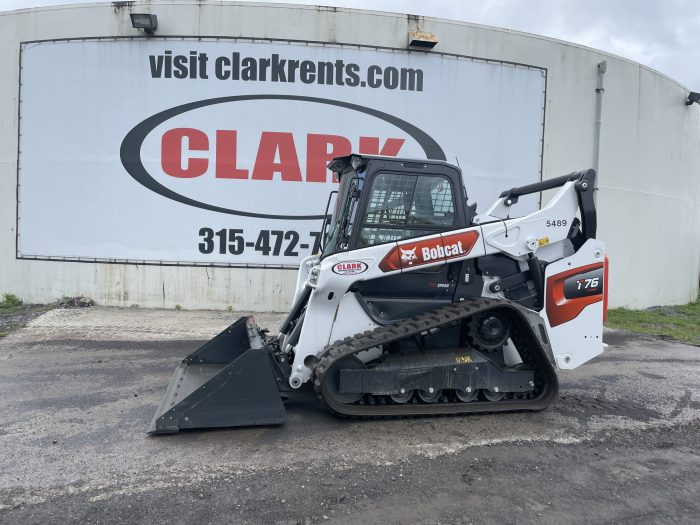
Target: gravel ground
column 17, row 318
column 79, row 386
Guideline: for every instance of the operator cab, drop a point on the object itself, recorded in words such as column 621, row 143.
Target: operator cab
column 382, row 200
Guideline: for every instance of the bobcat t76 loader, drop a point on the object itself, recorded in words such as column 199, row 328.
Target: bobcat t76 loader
column 416, row 305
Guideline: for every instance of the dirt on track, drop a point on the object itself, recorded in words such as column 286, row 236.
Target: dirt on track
column 620, row 444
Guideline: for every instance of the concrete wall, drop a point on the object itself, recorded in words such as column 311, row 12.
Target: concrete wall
column 649, row 199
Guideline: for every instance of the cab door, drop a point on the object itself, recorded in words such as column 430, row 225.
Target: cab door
column 401, row 203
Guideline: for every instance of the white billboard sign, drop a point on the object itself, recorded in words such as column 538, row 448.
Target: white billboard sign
column 215, row 151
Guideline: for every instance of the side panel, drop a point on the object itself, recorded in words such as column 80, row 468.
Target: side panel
column 335, row 278
column 324, row 303
column 350, row 319
column 574, row 305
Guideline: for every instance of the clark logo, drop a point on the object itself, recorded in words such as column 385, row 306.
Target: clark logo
column 349, row 267
column 261, row 156
column 276, row 154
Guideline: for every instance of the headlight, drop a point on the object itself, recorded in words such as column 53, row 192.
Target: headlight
column 313, row 276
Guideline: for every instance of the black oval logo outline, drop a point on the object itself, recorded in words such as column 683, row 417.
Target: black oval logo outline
column 365, row 267
column 130, row 150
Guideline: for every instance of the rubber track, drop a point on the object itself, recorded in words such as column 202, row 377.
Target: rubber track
column 522, row 334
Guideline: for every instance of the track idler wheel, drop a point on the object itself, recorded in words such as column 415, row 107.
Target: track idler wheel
column 332, row 379
column 488, row 331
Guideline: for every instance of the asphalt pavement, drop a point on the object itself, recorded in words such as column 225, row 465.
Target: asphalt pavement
column 79, row 387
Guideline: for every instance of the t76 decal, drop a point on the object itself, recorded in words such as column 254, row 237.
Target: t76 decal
column 569, row 292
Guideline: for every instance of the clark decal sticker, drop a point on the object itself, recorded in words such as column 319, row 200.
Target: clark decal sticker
column 350, row 268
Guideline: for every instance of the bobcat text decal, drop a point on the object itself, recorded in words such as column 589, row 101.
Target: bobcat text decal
column 429, row 250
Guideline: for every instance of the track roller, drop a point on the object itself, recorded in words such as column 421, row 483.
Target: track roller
column 429, row 397
column 403, row 397
column 466, row 396
column 492, row 395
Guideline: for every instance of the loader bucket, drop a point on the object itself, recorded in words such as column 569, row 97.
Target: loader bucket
column 227, row 382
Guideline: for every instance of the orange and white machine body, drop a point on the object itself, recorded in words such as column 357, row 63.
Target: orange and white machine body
column 575, row 285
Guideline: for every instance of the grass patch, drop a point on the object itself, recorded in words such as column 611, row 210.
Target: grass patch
column 9, row 301
column 9, row 310
column 681, row 323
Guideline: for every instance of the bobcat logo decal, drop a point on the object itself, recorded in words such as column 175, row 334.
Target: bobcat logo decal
column 408, row 256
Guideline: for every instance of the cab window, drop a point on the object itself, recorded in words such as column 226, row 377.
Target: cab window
column 403, row 206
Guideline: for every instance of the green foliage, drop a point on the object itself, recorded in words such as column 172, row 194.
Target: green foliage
column 229, row 308
column 10, row 300
column 676, row 322
column 178, row 307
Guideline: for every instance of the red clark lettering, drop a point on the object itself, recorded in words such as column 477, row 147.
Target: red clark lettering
column 185, row 154
column 344, row 267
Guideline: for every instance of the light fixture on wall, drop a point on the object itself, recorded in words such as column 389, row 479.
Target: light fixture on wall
column 422, row 40
column 145, row 21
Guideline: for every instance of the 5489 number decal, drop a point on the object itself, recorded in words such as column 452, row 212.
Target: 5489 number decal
column 267, row 242
column 555, row 223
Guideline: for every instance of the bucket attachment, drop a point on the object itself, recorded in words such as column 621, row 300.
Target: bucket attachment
column 231, row 381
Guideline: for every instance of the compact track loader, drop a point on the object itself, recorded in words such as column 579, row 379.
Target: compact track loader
column 416, row 305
